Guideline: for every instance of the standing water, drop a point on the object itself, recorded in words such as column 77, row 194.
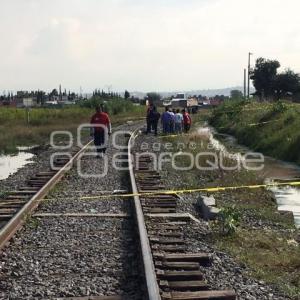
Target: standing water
column 287, row 197
column 10, row 164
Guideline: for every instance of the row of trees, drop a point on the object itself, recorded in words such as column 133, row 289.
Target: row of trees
column 104, row 95
column 270, row 84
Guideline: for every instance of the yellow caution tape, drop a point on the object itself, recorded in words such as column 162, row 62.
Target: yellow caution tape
column 189, row 191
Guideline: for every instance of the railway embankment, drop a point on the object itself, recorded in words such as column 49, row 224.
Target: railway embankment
column 270, row 128
column 259, row 244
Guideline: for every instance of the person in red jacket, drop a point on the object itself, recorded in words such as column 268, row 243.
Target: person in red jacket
column 99, row 133
column 187, row 121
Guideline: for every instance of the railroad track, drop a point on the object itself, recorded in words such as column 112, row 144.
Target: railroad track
column 170, row 272
column 99, row 267
column 20, row 204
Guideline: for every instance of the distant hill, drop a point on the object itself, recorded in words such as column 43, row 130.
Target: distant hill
column 207, row 93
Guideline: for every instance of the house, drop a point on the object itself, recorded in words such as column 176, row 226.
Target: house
column 54, row 98
column 26, row 102
column 50, row 103
column 215, row 102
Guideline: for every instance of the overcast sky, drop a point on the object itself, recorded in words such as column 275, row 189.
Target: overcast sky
column 146, row 45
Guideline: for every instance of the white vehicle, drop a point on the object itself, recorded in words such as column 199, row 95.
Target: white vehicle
column 180, row 96
column 180, row 100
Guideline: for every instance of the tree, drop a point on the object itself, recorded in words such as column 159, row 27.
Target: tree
column 127, row 95
column 153, row 98
column 54, row 92
column 286, row 83
column 40, row 97
column 236, row 94
column 264, row 77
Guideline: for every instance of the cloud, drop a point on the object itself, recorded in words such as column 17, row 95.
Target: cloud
column 139, row 44
column 60, row 39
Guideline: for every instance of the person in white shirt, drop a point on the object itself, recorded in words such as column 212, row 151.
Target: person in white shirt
column 178, row 122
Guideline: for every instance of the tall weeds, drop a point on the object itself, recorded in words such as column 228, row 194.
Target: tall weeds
column 15, row 130
column 272, row 128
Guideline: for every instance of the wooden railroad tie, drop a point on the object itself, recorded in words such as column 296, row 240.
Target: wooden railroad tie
column 195, row 285
column 200, row 295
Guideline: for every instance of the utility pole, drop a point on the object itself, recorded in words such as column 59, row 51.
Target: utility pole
column 245, row 75
column 27, row 108
column 28, row 114
column 60, row 95
column 249, row 65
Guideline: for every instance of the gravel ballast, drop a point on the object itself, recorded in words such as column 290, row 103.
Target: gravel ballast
column 225, row 272
column 75, row 256
column 68, row 256
column 65, row 257
column 90, row 178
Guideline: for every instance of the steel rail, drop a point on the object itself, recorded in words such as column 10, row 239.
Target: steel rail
column 149, row 269
column 14, row 224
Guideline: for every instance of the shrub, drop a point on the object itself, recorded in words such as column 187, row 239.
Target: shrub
column 229, row 220
column 279, row 107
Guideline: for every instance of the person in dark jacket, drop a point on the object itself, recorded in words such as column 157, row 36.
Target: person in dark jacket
column 100, row 118
column 153, row 117
column 148, row 118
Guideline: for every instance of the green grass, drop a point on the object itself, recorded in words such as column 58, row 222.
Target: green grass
column 266, row 239
column 271, row 128
column 33, row 223
column 14, row 130
column 272, row 256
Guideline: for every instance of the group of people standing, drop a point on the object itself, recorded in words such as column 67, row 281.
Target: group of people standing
column 173, row 121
